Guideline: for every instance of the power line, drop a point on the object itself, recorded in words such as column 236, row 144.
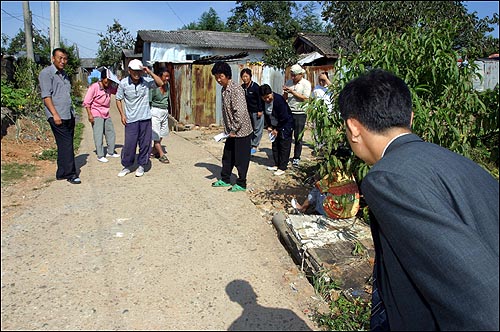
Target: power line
column 17, row 18
column 71, row 26
column 173, row 11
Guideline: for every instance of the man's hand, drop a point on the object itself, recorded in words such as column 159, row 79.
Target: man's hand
column 57, row 119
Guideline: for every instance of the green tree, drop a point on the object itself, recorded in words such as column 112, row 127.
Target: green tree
column 277, row 23
column 308, row 20
column 209, row 21
column 352, row 17
column 5, row 41
column 41, row 45
column 448, row 111
column 112, row 43
column 267, row 20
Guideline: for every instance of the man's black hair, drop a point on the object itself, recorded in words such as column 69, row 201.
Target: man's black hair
column 265, row 89
column 59, row 49
column 377, row 99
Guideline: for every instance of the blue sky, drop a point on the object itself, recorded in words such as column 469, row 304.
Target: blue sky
column 81, row 21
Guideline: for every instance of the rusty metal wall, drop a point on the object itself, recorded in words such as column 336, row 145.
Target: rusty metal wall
column 196, row 96
column 181, row 93
column 203, row 95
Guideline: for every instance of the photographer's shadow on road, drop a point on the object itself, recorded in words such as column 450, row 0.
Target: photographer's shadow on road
column 258, row 318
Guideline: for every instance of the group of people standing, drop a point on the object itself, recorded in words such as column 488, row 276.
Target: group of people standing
column 434, row 214
column 143, row 104
column 248, row 109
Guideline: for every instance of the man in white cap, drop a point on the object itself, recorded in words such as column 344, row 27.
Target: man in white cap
column 295, row 91
column 132, row 100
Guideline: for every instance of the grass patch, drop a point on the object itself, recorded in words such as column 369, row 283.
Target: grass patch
column 49, row 154
column 14, row 172
column 346, row 313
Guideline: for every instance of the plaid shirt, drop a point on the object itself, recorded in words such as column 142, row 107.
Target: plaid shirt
column 234, row 110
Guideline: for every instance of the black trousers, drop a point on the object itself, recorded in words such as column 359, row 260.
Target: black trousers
column 64, row 134
column 236, row 154
column 299, row 123
column 281, row 151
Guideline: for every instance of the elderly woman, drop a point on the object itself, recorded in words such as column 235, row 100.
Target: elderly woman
column 238, row 127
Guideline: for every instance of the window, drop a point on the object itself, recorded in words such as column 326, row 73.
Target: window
column 192, row 56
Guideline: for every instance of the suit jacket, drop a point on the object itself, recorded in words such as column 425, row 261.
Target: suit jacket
column 436, row 237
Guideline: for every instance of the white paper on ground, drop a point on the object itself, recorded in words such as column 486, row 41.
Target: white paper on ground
column 220, row 137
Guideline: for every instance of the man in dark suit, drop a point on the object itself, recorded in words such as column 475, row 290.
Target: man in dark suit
column 434, row 217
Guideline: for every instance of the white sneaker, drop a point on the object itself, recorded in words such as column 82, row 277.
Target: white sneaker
column 114, row 155
column 103, row 160
column 139, row 171
column 272, row 168
column 279, row 172
column 124, row 172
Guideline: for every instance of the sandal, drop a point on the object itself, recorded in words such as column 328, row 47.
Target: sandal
column 164, row 159
column 221, row 183
column 236, row 187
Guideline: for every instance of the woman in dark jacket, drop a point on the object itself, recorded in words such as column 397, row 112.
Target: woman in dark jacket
column 255, row 106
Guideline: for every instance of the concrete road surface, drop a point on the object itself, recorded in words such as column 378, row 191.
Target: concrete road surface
column 165, row 251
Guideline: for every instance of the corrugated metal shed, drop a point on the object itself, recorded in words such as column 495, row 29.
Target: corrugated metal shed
column 488, row 69
column 201, row 38
column 197, row 98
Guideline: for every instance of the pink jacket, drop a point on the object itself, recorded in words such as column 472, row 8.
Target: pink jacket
column 98, row 99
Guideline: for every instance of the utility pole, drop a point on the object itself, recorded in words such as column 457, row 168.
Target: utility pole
column 28, row 33
column 55, row 35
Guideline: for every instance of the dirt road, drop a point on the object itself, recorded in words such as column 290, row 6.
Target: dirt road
column 163, row 251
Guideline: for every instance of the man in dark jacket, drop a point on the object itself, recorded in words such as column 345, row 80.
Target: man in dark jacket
column 434, row 217
column 279, row 123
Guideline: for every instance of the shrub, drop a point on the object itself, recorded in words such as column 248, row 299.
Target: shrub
column 447, row 110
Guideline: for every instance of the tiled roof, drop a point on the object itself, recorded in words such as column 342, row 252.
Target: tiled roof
column 201, row 38
column 322, row 43
column 88, row 62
